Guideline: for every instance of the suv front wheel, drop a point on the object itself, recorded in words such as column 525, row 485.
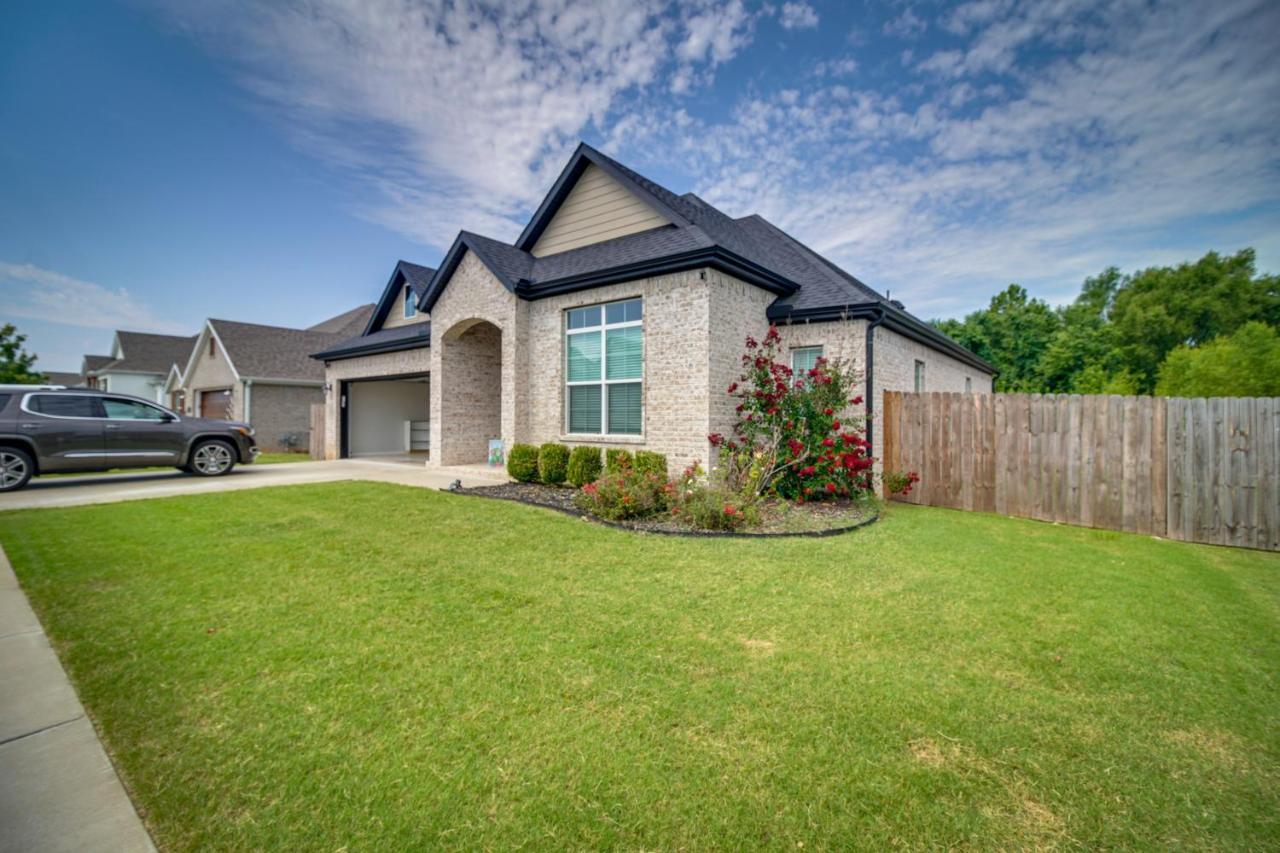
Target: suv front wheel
column 16, row 467
column 212, row 458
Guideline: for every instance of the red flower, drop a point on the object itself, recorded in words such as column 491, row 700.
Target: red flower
column 831, row 487
column 716, row 439
column 835, row 426
column 730, row 510
column 733, row 387
column 827, row 442
column 828, row 412
column 857, row 401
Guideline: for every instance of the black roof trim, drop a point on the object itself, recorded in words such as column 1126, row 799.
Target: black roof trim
column 582, row 157
column 714, row 257
column 353, row 349
column 399, row 278
column 898, row 321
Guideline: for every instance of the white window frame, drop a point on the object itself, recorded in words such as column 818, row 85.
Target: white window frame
column 919, row 376
column 410, row 306
column 796, row 351
column 604, row 381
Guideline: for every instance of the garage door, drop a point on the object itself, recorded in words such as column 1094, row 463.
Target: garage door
column 215, row 404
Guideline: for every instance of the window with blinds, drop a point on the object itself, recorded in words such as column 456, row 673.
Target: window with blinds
column 604, row 370
column 803, row 360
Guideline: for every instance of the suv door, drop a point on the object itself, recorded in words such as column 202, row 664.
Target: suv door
column 140, row 434
column 66, row 429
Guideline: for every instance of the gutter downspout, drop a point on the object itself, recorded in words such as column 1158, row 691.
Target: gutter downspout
column 871, row 366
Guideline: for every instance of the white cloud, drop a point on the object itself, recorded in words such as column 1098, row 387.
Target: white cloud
column 797, row 16
column 1154, row 140
column 906, row 25
column 33, row 293
column 459, row 113
column 842, row 67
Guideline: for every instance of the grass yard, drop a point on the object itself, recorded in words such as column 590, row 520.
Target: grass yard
column 369, row 666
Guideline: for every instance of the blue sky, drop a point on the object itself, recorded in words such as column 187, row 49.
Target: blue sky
column 166, row 161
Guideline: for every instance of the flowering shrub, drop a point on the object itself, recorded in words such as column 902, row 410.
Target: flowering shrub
column 900, row 482
column 616, row 459
column 791, row 437
column 626, row 494
column 650, row 462
column 709, row 503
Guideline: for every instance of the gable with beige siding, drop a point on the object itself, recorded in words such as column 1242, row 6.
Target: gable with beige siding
column 598, row 208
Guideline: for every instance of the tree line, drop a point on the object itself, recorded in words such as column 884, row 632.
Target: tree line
column 1209, row 328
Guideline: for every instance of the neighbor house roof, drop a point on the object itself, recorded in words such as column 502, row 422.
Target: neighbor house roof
column 807, row 285
column 271, row 352
column 57, row 377
column 346, row 323
column 141, row 352
column 94, row 363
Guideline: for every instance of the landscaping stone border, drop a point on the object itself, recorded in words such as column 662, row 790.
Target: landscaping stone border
column 476, row 492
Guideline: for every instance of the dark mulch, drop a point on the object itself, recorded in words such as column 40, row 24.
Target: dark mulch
column 777, row 518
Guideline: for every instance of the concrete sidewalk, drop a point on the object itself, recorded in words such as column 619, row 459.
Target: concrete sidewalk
column 110, row 488
column 58, row 790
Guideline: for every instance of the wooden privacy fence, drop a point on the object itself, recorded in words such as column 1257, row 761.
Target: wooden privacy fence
column 1199, row 470
column 316, row 444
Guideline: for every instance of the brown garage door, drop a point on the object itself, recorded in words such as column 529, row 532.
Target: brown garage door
column 215, row 404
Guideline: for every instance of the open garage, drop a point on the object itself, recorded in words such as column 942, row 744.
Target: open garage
column 386, row 417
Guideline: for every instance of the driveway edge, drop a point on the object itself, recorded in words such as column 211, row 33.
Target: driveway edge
column 58, row 789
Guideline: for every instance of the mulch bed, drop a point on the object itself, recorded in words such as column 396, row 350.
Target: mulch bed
column 778, row 518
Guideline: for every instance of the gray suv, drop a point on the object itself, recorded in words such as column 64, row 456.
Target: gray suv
column 49, row 429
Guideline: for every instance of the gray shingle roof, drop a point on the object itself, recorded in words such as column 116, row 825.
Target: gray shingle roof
column 346, row 323
column 272, row 352
column 58, row 377
column 146, row 353
column 94, row 363
column 417, row 276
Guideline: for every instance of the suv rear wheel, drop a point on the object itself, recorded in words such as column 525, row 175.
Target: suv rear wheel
column 16, row 468
column 212, row 458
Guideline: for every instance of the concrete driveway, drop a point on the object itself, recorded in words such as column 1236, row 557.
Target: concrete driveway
column 110, row 488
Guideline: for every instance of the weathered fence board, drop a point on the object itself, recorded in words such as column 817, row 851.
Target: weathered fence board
column 317, row 431
column 1202, row 470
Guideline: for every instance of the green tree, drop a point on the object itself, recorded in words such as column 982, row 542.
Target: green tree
column 16, row 365
column 1012, row 333
column 1245, row 364
column 1159, row 309
column 1081, row 357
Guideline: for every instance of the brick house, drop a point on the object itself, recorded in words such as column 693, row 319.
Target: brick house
column 616, row 319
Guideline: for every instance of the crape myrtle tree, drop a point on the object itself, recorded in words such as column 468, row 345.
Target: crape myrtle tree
column 792, row 436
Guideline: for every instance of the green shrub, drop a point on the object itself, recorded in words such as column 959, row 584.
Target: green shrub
column 584, row 466
column 616, row 458
column 648, row 462
column 553, row 463
column 625, row 494
column 522, row 463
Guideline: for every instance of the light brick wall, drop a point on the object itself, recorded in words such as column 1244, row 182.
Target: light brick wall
column 364, row 367
column 676, row 311
column 277, row 411
column 210, row 373
column 471, row 407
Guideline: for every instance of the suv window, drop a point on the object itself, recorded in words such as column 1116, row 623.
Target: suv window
column 4, row 401
column 131, row 410
column 65, row 405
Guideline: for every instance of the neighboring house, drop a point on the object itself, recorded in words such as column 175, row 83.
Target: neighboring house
column 618, row 319
column 138, row 364
column 57, row 377
column 260, row 374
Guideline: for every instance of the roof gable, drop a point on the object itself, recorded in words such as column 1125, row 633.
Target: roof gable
column 597, row 208
column 413, row 276
column 663, row 203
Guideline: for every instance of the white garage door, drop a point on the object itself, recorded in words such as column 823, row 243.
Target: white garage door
column 388, row 416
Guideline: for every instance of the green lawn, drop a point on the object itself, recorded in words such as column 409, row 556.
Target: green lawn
column 263, row 459
column 369, row 666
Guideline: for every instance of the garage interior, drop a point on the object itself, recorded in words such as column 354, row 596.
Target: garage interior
column 388, row 418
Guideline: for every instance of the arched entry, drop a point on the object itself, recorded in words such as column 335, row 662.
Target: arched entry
column 471, row 391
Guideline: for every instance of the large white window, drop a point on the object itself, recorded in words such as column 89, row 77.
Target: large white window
column 604, row 369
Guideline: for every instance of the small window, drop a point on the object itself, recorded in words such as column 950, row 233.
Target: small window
column 64, row 405
column 803, row 360
column 968, row 385
column 919, row 376
column 410, row 305
column 212, row 345
column 131, row 410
